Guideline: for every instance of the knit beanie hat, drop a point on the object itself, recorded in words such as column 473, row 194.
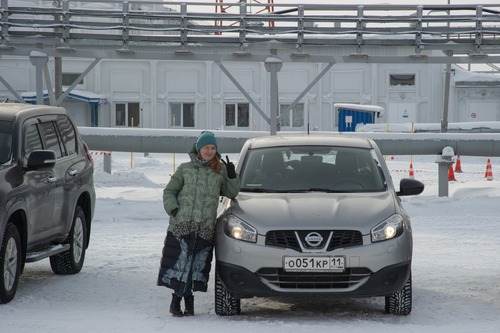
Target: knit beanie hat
column 205, row 138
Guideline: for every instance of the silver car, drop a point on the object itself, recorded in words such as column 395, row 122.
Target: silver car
column 316, row 215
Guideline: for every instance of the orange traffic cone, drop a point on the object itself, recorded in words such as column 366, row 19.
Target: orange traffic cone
column 458, row 165
column 489, row 172
column 412, row 174
column 451, row 174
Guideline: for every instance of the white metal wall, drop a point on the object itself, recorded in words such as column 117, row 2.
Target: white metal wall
column 154, row 84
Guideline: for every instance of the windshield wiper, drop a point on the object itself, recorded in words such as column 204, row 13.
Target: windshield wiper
column 302, row 190
column 321, row 189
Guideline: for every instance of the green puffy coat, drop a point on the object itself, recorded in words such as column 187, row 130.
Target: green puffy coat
column 194, row 190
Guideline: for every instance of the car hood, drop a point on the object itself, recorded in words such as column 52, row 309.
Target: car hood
column 314, row 210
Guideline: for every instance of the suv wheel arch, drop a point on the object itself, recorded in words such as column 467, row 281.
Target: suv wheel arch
column 71, row 261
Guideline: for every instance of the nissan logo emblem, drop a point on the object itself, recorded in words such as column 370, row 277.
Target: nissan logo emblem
column 313, row 239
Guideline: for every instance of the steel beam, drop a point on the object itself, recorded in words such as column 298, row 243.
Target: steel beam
column 181, row 141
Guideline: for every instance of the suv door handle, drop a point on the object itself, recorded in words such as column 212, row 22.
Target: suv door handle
column 73, row 172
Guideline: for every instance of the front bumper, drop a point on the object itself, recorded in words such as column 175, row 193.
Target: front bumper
column 372, row 269
column 354, row 282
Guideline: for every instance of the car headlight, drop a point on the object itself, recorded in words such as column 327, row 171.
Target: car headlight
column 238, row 229
column 388, row 229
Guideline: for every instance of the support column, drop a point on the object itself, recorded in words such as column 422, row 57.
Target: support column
column 446, row 104
column 273, row 66
column 39, row 59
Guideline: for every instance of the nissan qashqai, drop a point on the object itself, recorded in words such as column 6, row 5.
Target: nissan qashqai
column 317, row 215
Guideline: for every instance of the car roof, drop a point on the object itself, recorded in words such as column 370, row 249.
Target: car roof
column 11, row 111
column 314, row 139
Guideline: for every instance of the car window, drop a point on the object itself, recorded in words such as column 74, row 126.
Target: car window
column 311, row 168
column 50, row 139
column 68, row 134
column 5, row 147
column 32, row 141
column 5, row 143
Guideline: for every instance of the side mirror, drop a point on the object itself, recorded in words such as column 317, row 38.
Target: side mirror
column 408, row 186
column 41, row 160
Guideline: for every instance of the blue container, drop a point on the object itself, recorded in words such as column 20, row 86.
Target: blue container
column 350, row 115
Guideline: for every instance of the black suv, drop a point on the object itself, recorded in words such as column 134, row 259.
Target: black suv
column 47, row 195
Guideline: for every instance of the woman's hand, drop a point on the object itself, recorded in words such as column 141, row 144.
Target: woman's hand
column 231, row 170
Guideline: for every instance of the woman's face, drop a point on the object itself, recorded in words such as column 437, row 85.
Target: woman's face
column 207, row 152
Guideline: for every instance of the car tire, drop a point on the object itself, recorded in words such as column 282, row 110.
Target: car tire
column 225, row 303
column 71, row 261
column 10, row 263
column 400, row 302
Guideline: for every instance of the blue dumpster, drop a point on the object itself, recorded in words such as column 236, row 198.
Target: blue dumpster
column 350, row 115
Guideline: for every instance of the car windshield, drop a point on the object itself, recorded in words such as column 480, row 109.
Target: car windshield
column 311, row 168
column 5, row 141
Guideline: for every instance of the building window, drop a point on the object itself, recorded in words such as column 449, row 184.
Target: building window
column 401, row 80
column 127, row 115
column 182, row 114
column 294, row 118
column 69, row 78
column 237, row 115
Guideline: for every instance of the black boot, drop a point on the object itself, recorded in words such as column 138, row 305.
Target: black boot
column 189, row 305
column 175, row 306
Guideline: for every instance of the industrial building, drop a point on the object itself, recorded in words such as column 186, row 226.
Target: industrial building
column 185, row 78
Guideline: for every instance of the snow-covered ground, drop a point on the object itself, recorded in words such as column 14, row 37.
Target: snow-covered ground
column 456, row 265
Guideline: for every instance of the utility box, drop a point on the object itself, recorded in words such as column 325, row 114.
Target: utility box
column 350, row 115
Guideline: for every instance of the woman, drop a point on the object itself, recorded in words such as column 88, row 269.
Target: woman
column 190, row 199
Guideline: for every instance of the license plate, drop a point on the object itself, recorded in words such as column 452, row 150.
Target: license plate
column 313, row 264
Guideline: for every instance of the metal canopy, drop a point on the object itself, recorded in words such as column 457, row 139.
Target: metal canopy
column 164, row 30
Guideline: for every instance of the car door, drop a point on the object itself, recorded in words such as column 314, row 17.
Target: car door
column 40, row 198
column 69, row 169
column 65, row 175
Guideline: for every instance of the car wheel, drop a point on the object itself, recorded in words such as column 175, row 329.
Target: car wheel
column 71, row 261
column 399, row 303
column 225, row 303
column 10, row 263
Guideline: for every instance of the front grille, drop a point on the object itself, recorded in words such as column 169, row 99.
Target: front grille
column 285, row 239
column 310, row 280
column 345, row 238
column 288, row 239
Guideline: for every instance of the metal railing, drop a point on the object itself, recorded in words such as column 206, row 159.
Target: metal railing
column 131, row 25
